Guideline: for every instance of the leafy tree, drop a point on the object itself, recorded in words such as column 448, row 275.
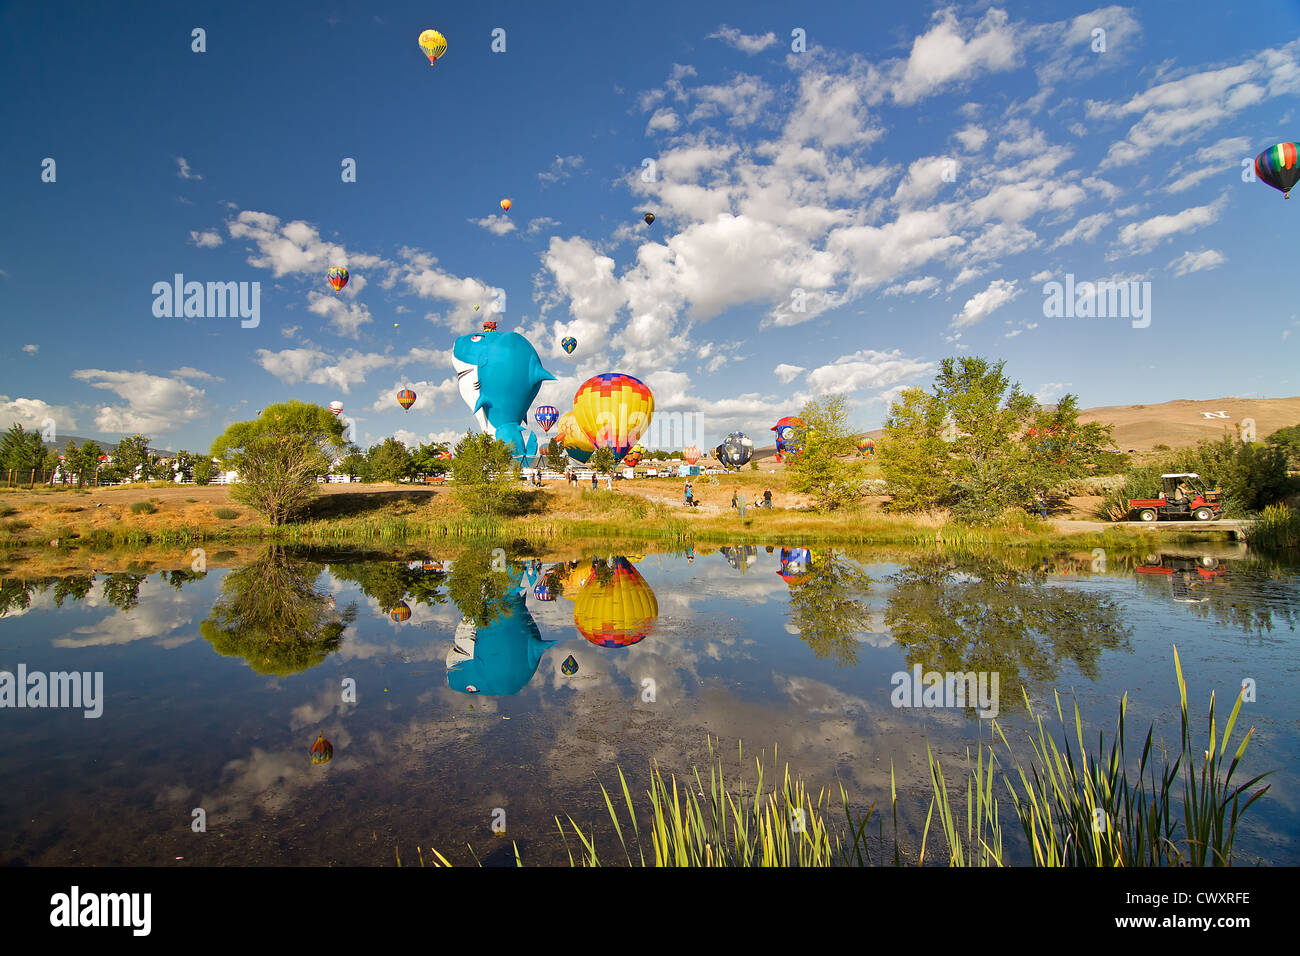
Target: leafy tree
column 204, row 471
column 1059, row 447
column 389, row 460
column 50, row 463
column 425, row 462
column 556, row 458
column 821, row 470
column 182, row 466
column 603, row 461
column 1288, row 440
column 279, row 455
column 20, row 449
column 82, row 462
column 132, row 455
column 829, row 609
column 486, row 474
column 122, row 590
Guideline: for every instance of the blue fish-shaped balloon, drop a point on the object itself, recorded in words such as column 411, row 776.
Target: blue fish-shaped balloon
column 500, row 659
column 499, row 375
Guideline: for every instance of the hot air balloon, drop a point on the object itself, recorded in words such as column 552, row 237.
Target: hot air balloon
column 789, row 436
column 735, row 451
column 543, row 590
column 546, row 416
column 867, row 447
column 400, row 613
column 322, row 751
column 489, row 326
column 570, row 666
column 795, row 565
column 505, row 205
column 568, row 343
column 633, row 457
column 336, row 408
column 434, row 44
column 575, row 441
column 616, row 608
column 649, row 218
column 691, row 454
column 406, row 398
column 1278, row 166
column 338, row 278
column 613, row 409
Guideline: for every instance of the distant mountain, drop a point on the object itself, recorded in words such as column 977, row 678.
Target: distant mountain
column 106, row 445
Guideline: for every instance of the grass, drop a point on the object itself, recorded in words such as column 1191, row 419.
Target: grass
column 1079, row 809
column 1277, row 529
column 143, row 508
column 225, row 514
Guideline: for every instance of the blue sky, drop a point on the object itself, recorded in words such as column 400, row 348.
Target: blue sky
column 919, row 172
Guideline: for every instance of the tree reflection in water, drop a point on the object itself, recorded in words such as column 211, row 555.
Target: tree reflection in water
column 982, row 614
column 271, row 614
column 827, row 606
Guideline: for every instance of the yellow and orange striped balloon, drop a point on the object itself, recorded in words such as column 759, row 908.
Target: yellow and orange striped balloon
column 613, row 410
column 616, row 610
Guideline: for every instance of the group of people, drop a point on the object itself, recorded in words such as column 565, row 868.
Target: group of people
column 737, row 503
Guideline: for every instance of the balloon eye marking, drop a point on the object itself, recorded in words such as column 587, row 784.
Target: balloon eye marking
column 476, row 338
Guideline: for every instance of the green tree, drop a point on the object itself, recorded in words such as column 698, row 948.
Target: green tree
column 204, row 471
column 278, row 457
column 1059, row 447
column 486, row 475
column 827, row 469
column 1288, row 440
column 828, row 609
column 182, row 466
column 389, row 460
column 556, row 459
column 82, row 462
column 132, row 455
column 603, row 461
column 425, row 460
column 20, row 449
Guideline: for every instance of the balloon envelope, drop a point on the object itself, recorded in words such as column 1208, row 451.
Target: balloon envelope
column 336, row 407
column 1278, row 166
column 406, row 398
column 568, row 343
column 691, row 454
column 401, row 613
column 434, row 44
column 338, row 277
column 618, row 609
column 505, row 205
column 546, row 416
column 736, row 450
column 322, row 751
column 649, row 218
column 575, row 441
column 613, row 409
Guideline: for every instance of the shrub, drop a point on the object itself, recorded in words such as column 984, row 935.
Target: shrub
column 143, row 508
column 226, row 514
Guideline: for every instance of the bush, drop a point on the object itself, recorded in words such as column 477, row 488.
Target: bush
column 226, row 514
column 143, row 508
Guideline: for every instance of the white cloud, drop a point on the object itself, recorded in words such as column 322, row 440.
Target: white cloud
column 1197, row 261
column 1049, row 392
column 186, row 371
column 31, row 349
column 496, row 224
column 788, row 373
column 943, row 56
column 983, row 304
column 32, row 412
column 562, row 167
column 154, row 403
column 1087, row 228
column 972, row 137
column 320, row 368
column 208, row 239
column 914, row 286
column 296, row 248
column 745, row 42
column 866, row 368
column 345, row 317
column 1143, row 236
column 183, row 170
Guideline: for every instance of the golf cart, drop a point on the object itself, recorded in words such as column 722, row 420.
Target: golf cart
column 1184, row 496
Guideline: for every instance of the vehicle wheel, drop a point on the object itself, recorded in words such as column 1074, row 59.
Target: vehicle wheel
column 1203, row 514
column 1148, row 514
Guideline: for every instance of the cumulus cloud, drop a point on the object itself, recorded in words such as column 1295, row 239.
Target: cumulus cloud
column 744, row 42
column 345, row 317
column 1197, row 261
column 154, row 403
column 183, row 170
column 294, row 248
column 497, row 224
column 562, row 167
column 32, row 413
column 664, row 119
column 31, row 349
column 208, row 239
column 951, row 52
column 788, row 373
column 866, row 369
column 321, row 368
column 981, row 305
column 1138, row 237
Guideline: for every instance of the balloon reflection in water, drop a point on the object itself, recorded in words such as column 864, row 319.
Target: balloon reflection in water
column 570, row 666
column 322, row 751
column 400, row 613
column 616, row 607
column 497, row 659
column 796, row 564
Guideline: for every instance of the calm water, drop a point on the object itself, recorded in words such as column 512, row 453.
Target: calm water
column 466, row 708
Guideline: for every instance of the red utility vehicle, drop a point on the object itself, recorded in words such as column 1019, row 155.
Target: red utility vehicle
column 1184, row 497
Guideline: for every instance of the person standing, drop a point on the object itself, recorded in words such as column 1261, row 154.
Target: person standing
column 609, row 481
column 593, row 481
column 767, row 498
column 690, row 493
column 735, row 501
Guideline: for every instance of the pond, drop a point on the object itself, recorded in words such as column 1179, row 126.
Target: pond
column 469, row 699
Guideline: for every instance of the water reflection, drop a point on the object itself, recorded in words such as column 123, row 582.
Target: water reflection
column 271, row 613
column 1249, row 596
column 827, row 601
column 615, row 607
column 986, row 615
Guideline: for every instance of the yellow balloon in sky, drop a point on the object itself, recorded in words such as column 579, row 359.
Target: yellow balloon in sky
column 434, row 44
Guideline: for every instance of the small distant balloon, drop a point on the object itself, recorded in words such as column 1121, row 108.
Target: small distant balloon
column 649, row 218
column 570, row 666
column 568, row 343
column 475, row 308
column 691, row 453
column 338, row 278
column 546, row 416
column 322, row 751
column 489, row 326
column 406, row 398
column 400, row 613
column 336, row 407
column 434, row 44
column 505, row 205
